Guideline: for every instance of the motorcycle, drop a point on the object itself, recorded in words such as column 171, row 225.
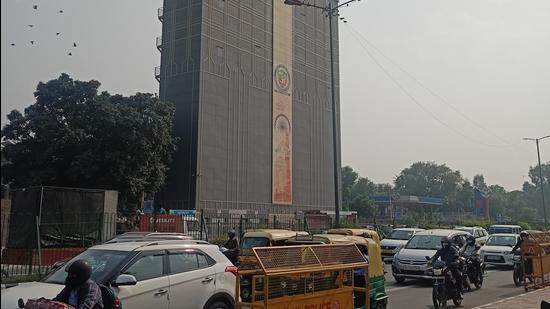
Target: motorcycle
column 473, row 271
column 444, row 288
column 518, row 269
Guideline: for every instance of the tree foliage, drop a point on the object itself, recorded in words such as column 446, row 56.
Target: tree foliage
column 72, row 136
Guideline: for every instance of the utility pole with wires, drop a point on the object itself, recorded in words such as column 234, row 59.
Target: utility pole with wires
column 331, row 10
column 541, row 182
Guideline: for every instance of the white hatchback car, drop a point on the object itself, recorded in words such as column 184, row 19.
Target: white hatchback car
column 159, row 274
column 498, row 249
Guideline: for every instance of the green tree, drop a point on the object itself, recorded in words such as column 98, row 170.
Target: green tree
column 479, row 182
column 428, row 178
column 349, row 176
column 72, row 136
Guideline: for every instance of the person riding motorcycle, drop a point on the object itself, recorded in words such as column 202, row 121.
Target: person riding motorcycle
column 451, row 256
column 517, row 250
column 522, row 237
column 80, row 291
column 232, row 244
column 470, row 250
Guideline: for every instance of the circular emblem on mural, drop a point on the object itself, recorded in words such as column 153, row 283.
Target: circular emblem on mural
column 282, row 78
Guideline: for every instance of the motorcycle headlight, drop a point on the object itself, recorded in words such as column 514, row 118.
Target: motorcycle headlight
column 438, row 272
column 245, row 293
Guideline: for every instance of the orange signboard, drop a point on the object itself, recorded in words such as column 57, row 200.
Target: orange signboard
column 164, row 223
column 282, row 104
column 336, row 299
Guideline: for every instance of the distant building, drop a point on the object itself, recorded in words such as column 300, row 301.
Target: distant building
column 250, row 80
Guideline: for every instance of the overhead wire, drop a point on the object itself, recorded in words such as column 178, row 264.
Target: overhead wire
column 430, row 91
column 360, row 39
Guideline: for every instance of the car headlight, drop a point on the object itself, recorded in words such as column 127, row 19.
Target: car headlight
column 396, row 249
column 507, row 252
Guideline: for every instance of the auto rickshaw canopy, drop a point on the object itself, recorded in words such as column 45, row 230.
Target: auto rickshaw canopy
column 357, row 232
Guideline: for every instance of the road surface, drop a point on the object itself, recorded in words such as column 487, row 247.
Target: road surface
column 414, row 294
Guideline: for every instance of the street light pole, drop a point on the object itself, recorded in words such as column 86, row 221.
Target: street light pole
column 541, row 183
column 330, row 10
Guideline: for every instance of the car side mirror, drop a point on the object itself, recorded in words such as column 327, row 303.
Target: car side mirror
column 125, row 280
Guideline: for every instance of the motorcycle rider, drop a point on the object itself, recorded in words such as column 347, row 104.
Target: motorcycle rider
column 522, row 237
column 517, row 250
column 470, row 250
column 80, row 291
column 451, row 256
column 232, row 244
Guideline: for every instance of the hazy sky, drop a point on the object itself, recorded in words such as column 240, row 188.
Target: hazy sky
column 456, row 82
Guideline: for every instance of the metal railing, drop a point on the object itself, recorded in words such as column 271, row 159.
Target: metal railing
column 159, row 43
column 157, row 73
column 160, row 14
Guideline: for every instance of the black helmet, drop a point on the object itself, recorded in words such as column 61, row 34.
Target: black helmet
column 523, row 234
column 231, row 233
column 77, row 273
column 445, row 242
column 471, row 239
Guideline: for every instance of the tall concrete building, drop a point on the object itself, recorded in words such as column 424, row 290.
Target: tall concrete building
column 250, row 80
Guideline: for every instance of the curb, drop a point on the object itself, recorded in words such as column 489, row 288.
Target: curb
column 547, row 289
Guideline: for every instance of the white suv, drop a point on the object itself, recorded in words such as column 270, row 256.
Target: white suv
column 159, row 274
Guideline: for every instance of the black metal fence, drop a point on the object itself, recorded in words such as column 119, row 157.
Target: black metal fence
column 33, row 252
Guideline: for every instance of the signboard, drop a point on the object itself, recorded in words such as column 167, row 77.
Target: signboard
column 148, row 207
column 282, row 104
column 164, row 223
column 338, row 299
column 183, row 212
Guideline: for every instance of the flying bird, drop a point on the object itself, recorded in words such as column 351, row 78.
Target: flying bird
column 12, row 44
column 31, row 26
column 70, row 54
column 74, row 44
column 35, row 7
column 57, row 33
column 60, row 11
column 32, row 42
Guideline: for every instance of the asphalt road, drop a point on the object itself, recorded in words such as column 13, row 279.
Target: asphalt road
column 415, row 294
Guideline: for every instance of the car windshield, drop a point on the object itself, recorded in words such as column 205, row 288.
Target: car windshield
column 500, row 230
column 508, row 241
column 466, row 229
column 252, row 242
column 103, row 262
column 401, row 235
column 424, row 242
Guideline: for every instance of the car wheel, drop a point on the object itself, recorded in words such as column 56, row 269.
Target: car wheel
column 399, row 279
column 218, row 305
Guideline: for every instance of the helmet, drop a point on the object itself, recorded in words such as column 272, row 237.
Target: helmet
column 77, row 273
column 470, row 239
column 523, row 234
column 231, row 233
column 445, row 242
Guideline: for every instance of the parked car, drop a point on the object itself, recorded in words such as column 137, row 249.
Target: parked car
column 410, row 262
column 498, row 249
column 479, row 233
column 396, row 240
column 504, row 229
column 148, row 274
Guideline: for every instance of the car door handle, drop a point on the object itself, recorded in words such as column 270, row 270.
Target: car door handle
column 161, row 292
column 207, row 279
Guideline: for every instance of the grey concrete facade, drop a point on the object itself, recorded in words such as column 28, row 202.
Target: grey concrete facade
column 216, row 67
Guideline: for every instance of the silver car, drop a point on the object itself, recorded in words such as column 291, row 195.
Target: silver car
column 410, row 262
column 397, row 239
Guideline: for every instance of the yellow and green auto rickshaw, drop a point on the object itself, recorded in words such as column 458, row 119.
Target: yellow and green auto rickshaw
column 376, row 279
column 357, row 232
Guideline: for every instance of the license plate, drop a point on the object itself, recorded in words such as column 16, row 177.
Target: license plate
column 411, row 267
column 493, row 258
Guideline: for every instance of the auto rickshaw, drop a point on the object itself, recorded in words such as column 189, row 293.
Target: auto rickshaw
column 304, row 276
column 376, row 280
column 357, row 232
column 265, row 238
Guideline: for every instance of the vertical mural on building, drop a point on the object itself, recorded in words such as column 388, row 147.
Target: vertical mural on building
column 282, row 104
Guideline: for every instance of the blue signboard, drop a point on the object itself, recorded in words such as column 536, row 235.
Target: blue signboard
column 183, row 212
column 148, row 207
